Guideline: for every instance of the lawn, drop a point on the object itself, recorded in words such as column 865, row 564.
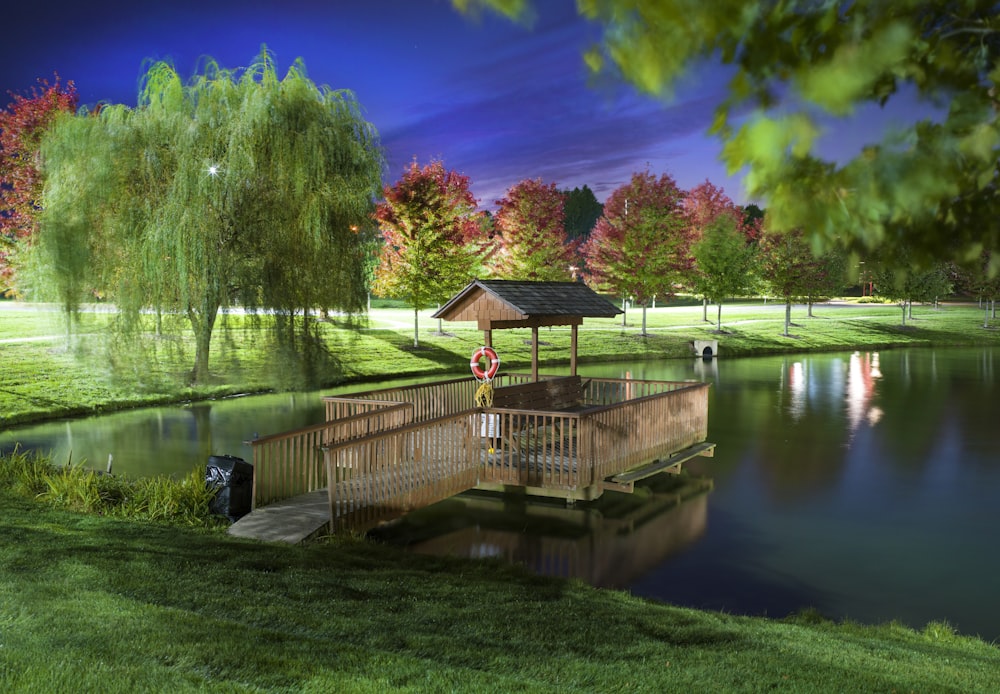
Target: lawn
column 45, row 375
column 90, row 603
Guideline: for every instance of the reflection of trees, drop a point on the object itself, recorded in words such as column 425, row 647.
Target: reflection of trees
column 802, row 431
column 932, row 393
column 170, row 440
column 789, row 420
column 609, row 543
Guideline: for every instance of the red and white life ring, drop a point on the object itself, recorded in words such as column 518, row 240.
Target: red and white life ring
column 490, row 371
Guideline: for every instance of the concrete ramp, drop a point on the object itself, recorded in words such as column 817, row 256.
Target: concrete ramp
column 291, row 520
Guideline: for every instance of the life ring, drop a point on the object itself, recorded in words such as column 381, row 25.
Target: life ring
column 490, row 371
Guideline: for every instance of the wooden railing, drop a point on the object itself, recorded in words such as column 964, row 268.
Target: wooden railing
column 386, row 474
column 389, row 450
column 429, row 400
column 621, row 436
column 291, row 463
column 531, row 449
column 611, row 391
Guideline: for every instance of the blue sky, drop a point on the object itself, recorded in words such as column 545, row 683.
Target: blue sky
column 497, row 101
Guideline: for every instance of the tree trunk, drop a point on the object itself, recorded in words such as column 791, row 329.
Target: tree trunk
column 719, row 317
column 416, row 331
column 704, row 309
column 788, row 315
column 909, row 308
column 643, row 333
column 903, row 307
column 624, row 309
column 202, row 325
column 810, row 313
column 986, row 315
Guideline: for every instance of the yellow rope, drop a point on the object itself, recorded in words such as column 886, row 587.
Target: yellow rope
column 484, row 395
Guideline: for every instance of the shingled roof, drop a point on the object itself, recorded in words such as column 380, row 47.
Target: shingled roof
column 509, row 301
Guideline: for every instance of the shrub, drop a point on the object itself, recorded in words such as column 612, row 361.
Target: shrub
column 76, row 488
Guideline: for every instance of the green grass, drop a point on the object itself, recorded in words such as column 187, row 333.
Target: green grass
column 90, row 603
column 42, row 379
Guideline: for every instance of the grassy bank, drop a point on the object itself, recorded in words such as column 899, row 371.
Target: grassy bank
column 127, row 598
column 91, row 603
column 47, row 376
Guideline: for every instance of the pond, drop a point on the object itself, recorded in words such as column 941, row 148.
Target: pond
column 864, row 485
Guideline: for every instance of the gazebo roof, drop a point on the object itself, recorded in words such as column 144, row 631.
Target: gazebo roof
column 499, row 304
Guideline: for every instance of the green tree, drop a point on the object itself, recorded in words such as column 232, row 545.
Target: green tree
column 235, row 188
column 640, row 247
column 704, row 206
column 975, row 279
column 435, row 240
column 797, row 66
column 533, row 243
column 903, row 282
column 724, row 263
column 790, row 270
column 582, row 212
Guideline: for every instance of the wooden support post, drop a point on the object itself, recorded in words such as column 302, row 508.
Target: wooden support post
column 534, row 353
column 488, row 338
column 572, row 349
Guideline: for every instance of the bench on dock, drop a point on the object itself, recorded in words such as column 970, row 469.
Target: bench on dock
column 564, row 394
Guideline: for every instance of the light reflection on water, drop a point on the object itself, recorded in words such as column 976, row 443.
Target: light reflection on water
column 864, row 485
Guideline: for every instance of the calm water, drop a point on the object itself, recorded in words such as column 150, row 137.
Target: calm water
column 864, row 485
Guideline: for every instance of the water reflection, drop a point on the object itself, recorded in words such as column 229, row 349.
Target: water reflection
column 174, row 439
column 862, row 376
column 610, row 543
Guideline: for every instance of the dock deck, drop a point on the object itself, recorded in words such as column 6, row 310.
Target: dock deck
column 381, row 454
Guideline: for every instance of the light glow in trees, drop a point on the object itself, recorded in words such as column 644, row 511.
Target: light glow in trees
column 640, row 246
column 533, row 243
column 434, row 238
column 237, row 187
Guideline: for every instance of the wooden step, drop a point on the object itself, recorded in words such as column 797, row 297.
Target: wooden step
column 657, row 466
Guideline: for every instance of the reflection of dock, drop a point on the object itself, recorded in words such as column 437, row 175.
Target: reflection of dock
column 608, row 543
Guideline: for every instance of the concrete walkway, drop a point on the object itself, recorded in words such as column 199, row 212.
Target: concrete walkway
column 291, row 520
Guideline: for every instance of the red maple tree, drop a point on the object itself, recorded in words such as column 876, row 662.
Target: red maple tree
column 640, row 247
column 434, row 237
column 533, row 244
column 706, row 203
column 22, row 125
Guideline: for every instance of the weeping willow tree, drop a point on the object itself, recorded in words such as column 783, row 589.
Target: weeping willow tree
column 234, row 188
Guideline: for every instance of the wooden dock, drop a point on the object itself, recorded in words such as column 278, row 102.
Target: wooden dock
column 381, row 454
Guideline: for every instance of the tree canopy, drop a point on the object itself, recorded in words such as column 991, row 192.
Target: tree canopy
column 582, row 212
column 790, row 270
column 435, row 239
column 22, row 125
column 795, row 68
column 234, row 187
column 724, row 263
column 640, row 247
column 533, row 243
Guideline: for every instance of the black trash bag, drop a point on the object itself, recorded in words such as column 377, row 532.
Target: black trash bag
column 232, row 478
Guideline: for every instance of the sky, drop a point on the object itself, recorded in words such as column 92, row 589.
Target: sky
column 494, row 100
